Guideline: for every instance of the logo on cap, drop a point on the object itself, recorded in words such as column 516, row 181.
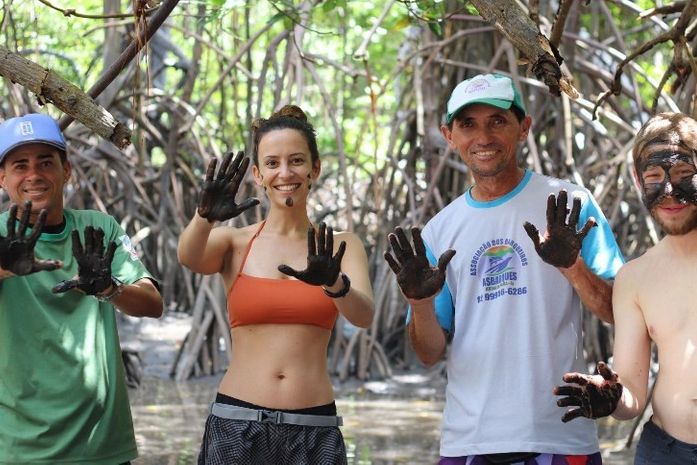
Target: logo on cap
column 478, row 85
column 25, row 128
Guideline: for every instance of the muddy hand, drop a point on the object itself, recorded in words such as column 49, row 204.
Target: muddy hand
column 217, row 202
column 323, row 268
column 416, row 277
column 17, row 248
column 592, row 396
column 561, row 243
column 93, row 263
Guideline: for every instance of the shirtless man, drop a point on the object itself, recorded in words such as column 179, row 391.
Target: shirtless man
column 654, row 300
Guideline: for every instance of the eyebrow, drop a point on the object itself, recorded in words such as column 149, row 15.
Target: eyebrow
column 40, row 157
column 265, row 157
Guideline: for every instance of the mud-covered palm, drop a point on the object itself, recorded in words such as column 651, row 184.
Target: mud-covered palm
column 594, row 396
column 323, row 268
column 93, row 263
column 217, row 202
column 17, row 248
column 561, row 243
column 416, row 277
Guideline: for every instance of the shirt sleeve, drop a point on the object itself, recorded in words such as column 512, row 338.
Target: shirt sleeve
column 445, row 310
column 599, row 251
column 126, row 265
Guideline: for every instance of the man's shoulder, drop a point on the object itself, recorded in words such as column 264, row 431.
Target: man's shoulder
column 457, row 206
column 89, row 217
column 643, row 265
column 553, row 185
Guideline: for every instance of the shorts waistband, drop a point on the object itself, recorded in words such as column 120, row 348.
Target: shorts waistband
column 232, row 412
column 666, row 438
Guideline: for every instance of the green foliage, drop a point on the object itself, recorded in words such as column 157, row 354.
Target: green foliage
column 364, row 89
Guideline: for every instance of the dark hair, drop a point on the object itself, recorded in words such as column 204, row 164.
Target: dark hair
column 665, row 129
column 288, row 117
column 520, row 114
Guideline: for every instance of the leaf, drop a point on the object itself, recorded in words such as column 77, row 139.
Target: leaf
column 328, row 6
column 403, row 22
column 436, row 28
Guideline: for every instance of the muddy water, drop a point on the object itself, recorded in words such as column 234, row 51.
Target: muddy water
column 381, row 428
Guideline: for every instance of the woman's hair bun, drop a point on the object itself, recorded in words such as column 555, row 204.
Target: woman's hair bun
column 258, row 123
column 287, row 111
column 290, row 111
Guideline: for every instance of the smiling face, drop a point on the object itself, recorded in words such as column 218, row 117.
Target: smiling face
column 35, row 172
column 285, row 168
column 486, row 139
column 668, row 177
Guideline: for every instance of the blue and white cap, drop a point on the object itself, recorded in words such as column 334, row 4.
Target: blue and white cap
column 496, row 90
column 29, row 129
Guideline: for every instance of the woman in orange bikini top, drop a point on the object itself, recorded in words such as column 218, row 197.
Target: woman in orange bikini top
column 287, row 281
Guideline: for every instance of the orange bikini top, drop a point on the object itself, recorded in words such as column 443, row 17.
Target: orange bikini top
column 254, row 300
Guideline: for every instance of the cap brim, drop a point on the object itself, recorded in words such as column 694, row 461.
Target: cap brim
column 494, row 102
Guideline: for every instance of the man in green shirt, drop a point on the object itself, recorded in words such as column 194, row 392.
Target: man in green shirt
column 63, row 397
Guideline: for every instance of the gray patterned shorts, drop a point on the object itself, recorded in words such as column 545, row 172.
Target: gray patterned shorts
column 244, row 442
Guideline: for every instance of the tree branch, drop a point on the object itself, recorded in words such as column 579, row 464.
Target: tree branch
column 127, row 55
column 50, row 87
column 559, row 23
column 73, row 12
column 513, row 22
column 678, row 65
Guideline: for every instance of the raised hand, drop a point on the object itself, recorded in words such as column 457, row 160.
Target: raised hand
column 93, row 263
column 322, row 267
column 17, row 249
column 217, row 202
column 561, row 243
column 416, row 277
column 595, row 396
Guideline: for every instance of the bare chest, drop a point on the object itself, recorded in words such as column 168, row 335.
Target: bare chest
column 668, row 300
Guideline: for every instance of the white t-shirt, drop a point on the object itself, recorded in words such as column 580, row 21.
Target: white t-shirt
column 516, row 322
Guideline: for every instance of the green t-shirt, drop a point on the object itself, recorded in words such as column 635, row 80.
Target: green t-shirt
column 63, row 397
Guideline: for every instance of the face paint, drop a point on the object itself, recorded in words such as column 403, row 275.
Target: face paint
column 668, row 173
column 309, row 182
column 289, row 202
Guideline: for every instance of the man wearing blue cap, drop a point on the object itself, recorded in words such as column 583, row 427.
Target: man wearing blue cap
column 63, row 397
column 507, row 300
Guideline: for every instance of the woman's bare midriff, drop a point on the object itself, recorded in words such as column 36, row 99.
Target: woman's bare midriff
column 281, row 366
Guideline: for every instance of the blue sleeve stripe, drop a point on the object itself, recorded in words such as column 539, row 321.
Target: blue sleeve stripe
column 445, row 311
column 599, row 251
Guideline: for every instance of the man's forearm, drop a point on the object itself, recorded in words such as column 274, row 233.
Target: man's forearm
column 426, row 336
column 139, row 299
column 595, row 292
